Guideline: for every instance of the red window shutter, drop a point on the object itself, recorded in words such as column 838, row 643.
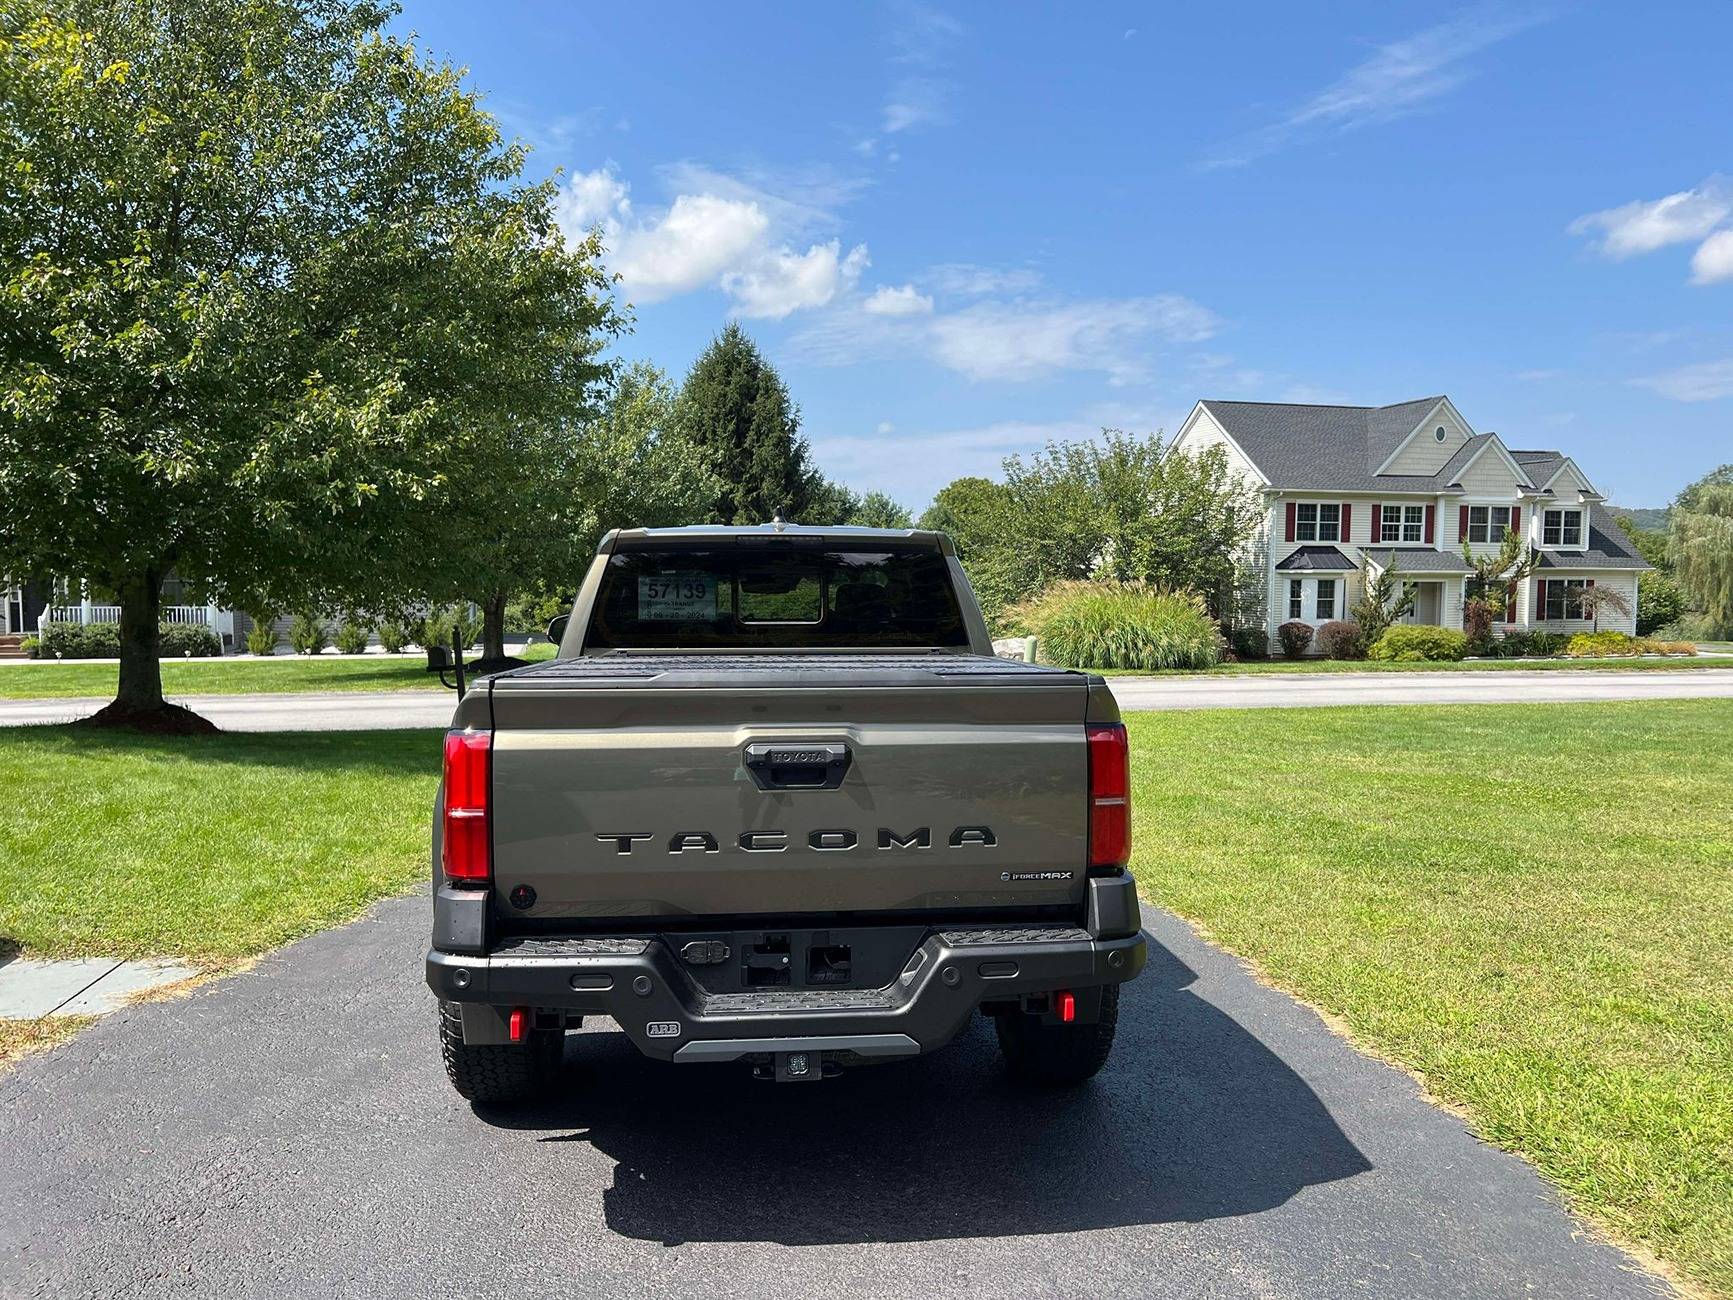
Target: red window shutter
column 1462, row 524
column 1587, row 586
column 1430, row 511
column 1377, row 524
column 1290, row 521
column 1516, row 519
column 1347, row 522
column 1540, row 600
column 1510, row 602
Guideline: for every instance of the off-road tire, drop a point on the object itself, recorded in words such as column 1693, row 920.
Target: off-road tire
column 1058, row 1056
column 499, row 1074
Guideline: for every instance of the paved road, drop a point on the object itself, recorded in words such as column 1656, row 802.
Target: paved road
column 289, row 1132
column 357, row 710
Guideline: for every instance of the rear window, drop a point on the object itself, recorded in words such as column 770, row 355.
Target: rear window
column 781, row 598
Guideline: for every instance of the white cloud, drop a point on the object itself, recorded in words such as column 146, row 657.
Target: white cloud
column 1022, row 341
column 920, row 97
column 1646, row 225
column 1713, row 260
column 1705, row 382
column 884, row 427
column 697, row 241
column 1015, row 341
column 966, row 280
column 719, row 232
column 905, row 300
column 590, row 198
column 1398, row 79
column 1539, row 376
column 779, row 281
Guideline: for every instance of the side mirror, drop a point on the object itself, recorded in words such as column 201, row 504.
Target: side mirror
column 557, row 627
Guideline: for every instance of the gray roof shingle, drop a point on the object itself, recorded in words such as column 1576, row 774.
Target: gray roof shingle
column 1419, row 559
column 1335, row 448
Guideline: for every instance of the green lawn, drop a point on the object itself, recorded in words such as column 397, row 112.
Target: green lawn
column 1528, row 905
column 284, row 673
column 210, row 847
column 1680, row 663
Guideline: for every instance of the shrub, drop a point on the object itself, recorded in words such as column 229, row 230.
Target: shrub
column 1249, row 642
column 1659, row 602
column 352, row 637
column 102, row 641
column 262, row 640
column 1119, row 625
column 393, row 636
column 1547, row 645
column 307, row 634
column 1602, row 645
column 1414, row 642
column 181, row 640
column 30, row 645
column 1295, row 637
column 435, row 626
column 1677, row 647
column 1342, row 639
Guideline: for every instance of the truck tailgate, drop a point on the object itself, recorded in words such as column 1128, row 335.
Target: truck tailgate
column 650, row 786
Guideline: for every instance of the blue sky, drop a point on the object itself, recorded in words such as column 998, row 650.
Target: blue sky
column 960, row 231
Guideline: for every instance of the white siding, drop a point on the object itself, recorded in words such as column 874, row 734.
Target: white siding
column 1611, row 621
column 1424, row 454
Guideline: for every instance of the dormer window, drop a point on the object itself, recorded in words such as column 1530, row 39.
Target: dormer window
column 1561, row 528
column 1318, row 523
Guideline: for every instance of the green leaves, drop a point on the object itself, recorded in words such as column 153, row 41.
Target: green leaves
column 276, row 306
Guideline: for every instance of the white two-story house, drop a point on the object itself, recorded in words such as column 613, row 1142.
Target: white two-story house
column 1346, row 487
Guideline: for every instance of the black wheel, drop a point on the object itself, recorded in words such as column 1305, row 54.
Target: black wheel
column 1058, row 1055
column 499, row 1073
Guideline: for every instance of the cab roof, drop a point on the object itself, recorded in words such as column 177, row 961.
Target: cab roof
column 764, row 532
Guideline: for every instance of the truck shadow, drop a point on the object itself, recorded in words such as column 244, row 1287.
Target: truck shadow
column 1193, row 1119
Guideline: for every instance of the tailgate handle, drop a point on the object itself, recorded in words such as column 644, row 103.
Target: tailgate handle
column 776, row 765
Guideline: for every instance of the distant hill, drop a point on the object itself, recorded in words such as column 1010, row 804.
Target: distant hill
column 1656, row 519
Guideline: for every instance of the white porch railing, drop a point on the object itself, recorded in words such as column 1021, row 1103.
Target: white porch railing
column 193, row 615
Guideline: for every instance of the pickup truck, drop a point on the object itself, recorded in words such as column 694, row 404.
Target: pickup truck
column 776, row 802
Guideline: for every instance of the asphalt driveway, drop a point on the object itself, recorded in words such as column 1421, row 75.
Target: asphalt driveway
column 354, row 710
column 289, row 1132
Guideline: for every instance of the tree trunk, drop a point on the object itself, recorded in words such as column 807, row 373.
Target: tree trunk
column 493, row 626
column 140, row 665
column 138, row 704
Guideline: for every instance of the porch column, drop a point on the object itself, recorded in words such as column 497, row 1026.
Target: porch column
column 84, row 601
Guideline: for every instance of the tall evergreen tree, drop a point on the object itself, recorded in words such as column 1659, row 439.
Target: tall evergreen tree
column 736, row 406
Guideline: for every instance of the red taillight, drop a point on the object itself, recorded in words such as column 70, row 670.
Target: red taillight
column 464, row 841
column 1109, row 795
column 515, row 1026
column 1066, row 1005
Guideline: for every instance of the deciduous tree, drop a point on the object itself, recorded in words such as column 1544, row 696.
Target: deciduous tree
column 275, row 306
column 1701, row 546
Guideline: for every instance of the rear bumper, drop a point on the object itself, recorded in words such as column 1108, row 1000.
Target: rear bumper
column 642, row 985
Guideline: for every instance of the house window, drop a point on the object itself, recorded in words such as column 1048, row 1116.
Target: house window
column 1326, row 599
column 1318, row 523
column 1296, row 589
column 1402, row 523
column 1487, row 523
column 1562, row 528
column 1564, row 598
